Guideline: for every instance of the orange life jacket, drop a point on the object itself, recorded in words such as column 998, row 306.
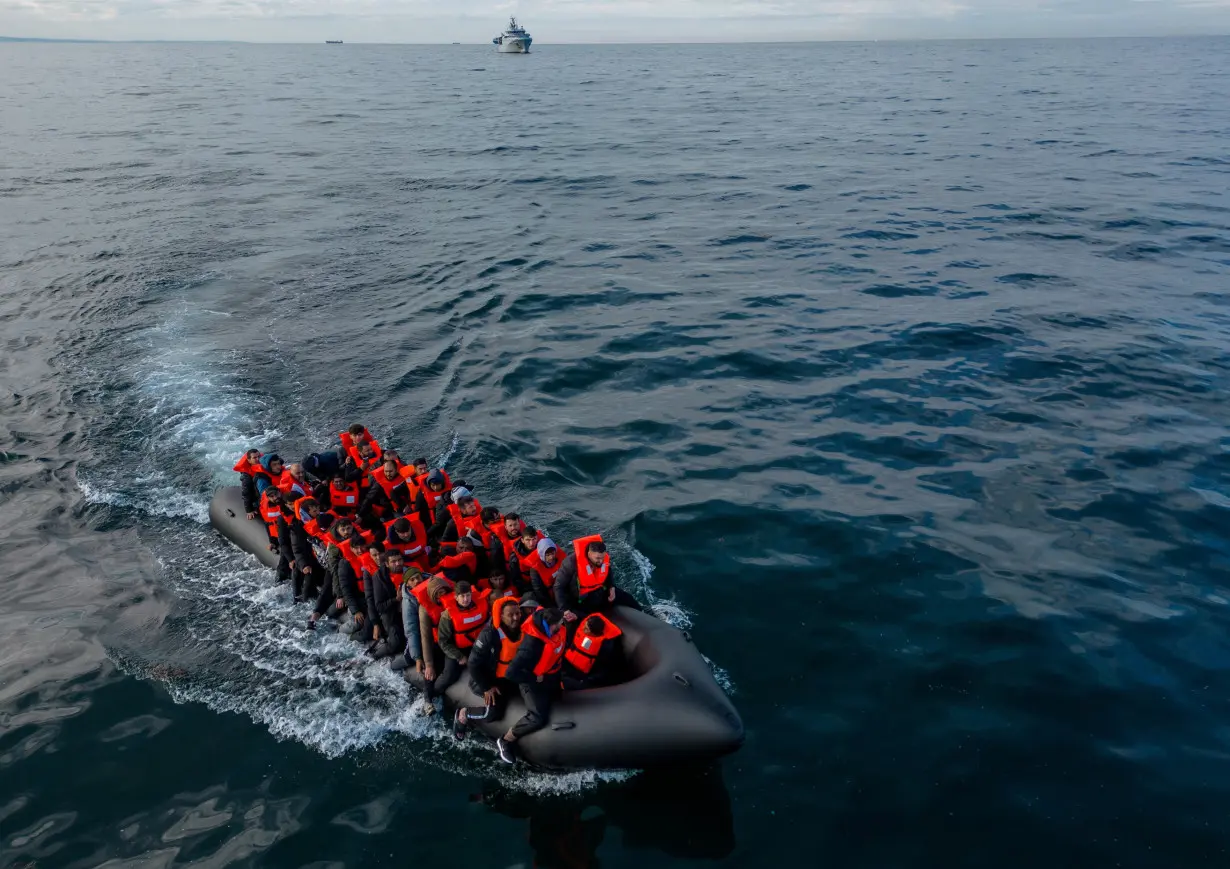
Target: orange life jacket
column 507, row 541
column 434, row 610
column 467, row 623
column 243, row 466
column 355, row 562
column 432, row 498
column 460, row 559
column 345, row 498
column 397, row 578
column 585, row 649
column 590, row 578
column 385, row 483
column 413, row 551
column 270, row 514
column 368, row 563
column 508, row 648
column 546, row 574
column 287, row 484
column 552, row 657
column 350, row 446
column 465, row 524
column 410, row 475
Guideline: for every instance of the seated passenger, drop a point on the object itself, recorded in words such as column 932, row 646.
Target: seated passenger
column 270, row 510
column 465, row 613
column 332, row 600
column 462, row 564
column 430, row 597
column 456, row 513
column 520, row 564
column 322, row 466
column 589, row 588
column 544, row 566
column 306, row 571
column 535, row 669
column 295, row 482
column 432, row 488
column 267, row 472
column 383, row 589
column 406, row 535
column 343, row 496
column 247, row 467
column 594, row 656
column 412, row 472
column 354, row 437
column 411, row 579
column 367, row 458
column 488, row 665
column 389, row 495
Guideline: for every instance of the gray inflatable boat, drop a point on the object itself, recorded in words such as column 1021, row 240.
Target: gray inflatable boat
column 669, row 711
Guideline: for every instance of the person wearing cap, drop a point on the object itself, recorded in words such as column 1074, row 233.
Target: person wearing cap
column 493, row 652
column 583, row 582
column 465, row 613
column 536, row 671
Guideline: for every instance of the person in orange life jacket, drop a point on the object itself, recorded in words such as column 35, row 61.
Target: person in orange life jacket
column 453, row 511
column 536, row 671
column 433, row 488
column 389, row 492
column 343, row 496
column 461, row 565
column 543, row 566
column 332, row 600
column 583, row 582
column 413, row 472
column 355, row 436
column 593, row 657
column 411, row 579
column 295, row 482
column 496, row 548
column 520, row 562
column 488, row 663
column 247, row 467
column 350, row 574
column 465, row 613
column 306, row 571
column 430, row 596
column 322, row 466
column 267, row 472
column 368, row 459
column 269, row 509
column 383, row 588
column 406, row 534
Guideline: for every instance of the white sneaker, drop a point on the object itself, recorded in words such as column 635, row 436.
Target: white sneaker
column 506, row 752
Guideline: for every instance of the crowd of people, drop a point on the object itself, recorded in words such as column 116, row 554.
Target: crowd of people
column 427, row 577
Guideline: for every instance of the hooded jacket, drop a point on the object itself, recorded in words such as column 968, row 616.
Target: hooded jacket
column 485, row 655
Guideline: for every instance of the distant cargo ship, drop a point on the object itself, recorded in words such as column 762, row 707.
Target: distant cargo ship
column 333, row 42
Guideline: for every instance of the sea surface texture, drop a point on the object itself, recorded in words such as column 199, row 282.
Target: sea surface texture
column 896, row 372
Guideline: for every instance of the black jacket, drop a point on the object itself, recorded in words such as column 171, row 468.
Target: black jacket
column 247, row 487
column 301, row 552
column 568, row 589
column 521, row 670
column 348, row 582
column 483, row 659
column 381, row 594
column 398, row 500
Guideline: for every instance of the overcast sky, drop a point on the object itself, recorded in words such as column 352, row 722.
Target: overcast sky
column 560, row 21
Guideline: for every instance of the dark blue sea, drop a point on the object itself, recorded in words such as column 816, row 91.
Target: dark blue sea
column 896, row 372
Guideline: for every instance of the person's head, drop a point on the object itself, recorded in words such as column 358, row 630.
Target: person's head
column 547, row 553
column 411, row 577
column 529, row 535
column 356, row 430
column 464, row 594
column 343, row 528
column 465, row 544
column 402, row 528
column 310, row 506
column 498, row 583
column 491, row 515
column 325, row 522
column 393, row 559
column 273, row 494
column 594, row 626
column 510, row 616
column 338, row 481
column 358, row 545
column 376, row 547
column 435, row 481
column 420, row 467
column 437, row 588
column 275, row 465
column 462, row 498
column 366, row 451
column 527, row 605
column 512, row 525
column 296, row 470
column 253, row 456
column 596, row 552
column 551, row 619
column 390, row 467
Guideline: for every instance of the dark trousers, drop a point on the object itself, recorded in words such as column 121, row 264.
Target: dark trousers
column 449, row 675
column 538, row 697
column 394, row 636
column 307, row 585
column 283, row 564
column 496, row 710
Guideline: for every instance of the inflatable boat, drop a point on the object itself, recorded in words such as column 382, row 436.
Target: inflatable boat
column 670, row 710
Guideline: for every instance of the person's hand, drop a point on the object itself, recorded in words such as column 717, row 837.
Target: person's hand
column 375, row 632
column 418, row 664
column 292, row 565
column 399, row 594
column 489, row 696
column 611, row 597
column 273, row 547
column 340, row 603
column 540, row 678
column 358, row 619
column 462, row 662
column 251, row 515
column 570, row 616
column 307, row 569
column 429, row 673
